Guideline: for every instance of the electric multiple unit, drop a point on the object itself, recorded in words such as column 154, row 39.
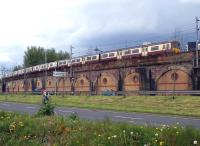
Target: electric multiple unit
column 137, row 51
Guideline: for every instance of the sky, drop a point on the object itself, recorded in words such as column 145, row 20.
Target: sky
column 86, row 24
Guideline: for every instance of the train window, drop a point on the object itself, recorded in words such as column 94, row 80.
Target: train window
column 104, row 55
column 135, row 51
column 167, row 46
column 60, row 63
column 111, row 54
column 73, row 61
column 94, row 57
column 78, row 60
column 64, row 62
column 154, row 48
column 88, row 58
column 127, row 52
column 163, row 47
column 51, row 64
column 120, row 53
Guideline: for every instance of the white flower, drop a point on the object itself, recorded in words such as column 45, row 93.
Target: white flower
column 156, row 134
column 124, row 131
column 114, row 136
column 131, row 133
column 195, row 142
column 108, row 138
column 145, row 145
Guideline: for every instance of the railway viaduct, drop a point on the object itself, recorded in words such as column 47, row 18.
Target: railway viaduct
column 131, row 74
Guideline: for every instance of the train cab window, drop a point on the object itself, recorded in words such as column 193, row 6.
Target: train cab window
column 78, row 60
column 111, row 54
column 88, row 58
column 104, row 55
column 64, row 62
column 127, row 52
column 51, row 64
column 94, row 57
column 154, row 48
column 135, row 51
column 60, row 63
column 73, row 61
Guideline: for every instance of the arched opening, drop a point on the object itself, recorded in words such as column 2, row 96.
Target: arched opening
column 174, row 79
column 132, row 82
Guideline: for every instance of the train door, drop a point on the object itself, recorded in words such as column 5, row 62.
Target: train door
column 119, row 55
column 144, row 51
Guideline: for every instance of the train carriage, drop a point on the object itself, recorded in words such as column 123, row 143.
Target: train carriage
column 77, row 61
column 52, row 65
column 63, row 63
column 109, row 56
column 91, row 59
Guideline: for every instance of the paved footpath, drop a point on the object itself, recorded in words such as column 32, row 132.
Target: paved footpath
column 133, row 118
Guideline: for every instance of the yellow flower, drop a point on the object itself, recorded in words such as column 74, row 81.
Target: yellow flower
column 161, row 142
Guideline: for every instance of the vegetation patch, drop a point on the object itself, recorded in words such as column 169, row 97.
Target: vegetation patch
column 28, row 130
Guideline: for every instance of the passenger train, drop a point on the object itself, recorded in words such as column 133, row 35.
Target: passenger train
column 137, row 51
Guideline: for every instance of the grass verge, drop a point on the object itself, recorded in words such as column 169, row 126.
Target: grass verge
column 181, row 105
column 25, row 130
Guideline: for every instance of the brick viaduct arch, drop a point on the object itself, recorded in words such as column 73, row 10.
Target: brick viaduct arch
column 82, row 84
column 174, row 77
column 106, row 81
column 132, row 81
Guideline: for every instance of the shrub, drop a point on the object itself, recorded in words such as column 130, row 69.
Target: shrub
column 47, row 109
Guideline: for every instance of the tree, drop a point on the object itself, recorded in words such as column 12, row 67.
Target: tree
column 36, row 55
column 63, row 55
column 33, row 56
column 18, row 67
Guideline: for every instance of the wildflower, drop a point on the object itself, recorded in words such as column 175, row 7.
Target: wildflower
column 99, row 135
column 177, row 132
column 124, row 131
column 156, row 140
column 114, row 136
column 175, row 127
column 177, row 123
column 156, row 134
column 195, row 142
column 108, row 138
column 131, row 133
column 2, row 117
column 161, row 142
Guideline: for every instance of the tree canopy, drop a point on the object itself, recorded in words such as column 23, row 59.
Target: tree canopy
column 36, row 55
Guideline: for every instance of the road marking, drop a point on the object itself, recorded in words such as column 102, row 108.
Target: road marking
column 30, row 107
column 64, row 111
column 123, row 117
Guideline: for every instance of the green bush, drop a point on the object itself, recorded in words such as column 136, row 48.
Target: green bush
column 47, row 109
